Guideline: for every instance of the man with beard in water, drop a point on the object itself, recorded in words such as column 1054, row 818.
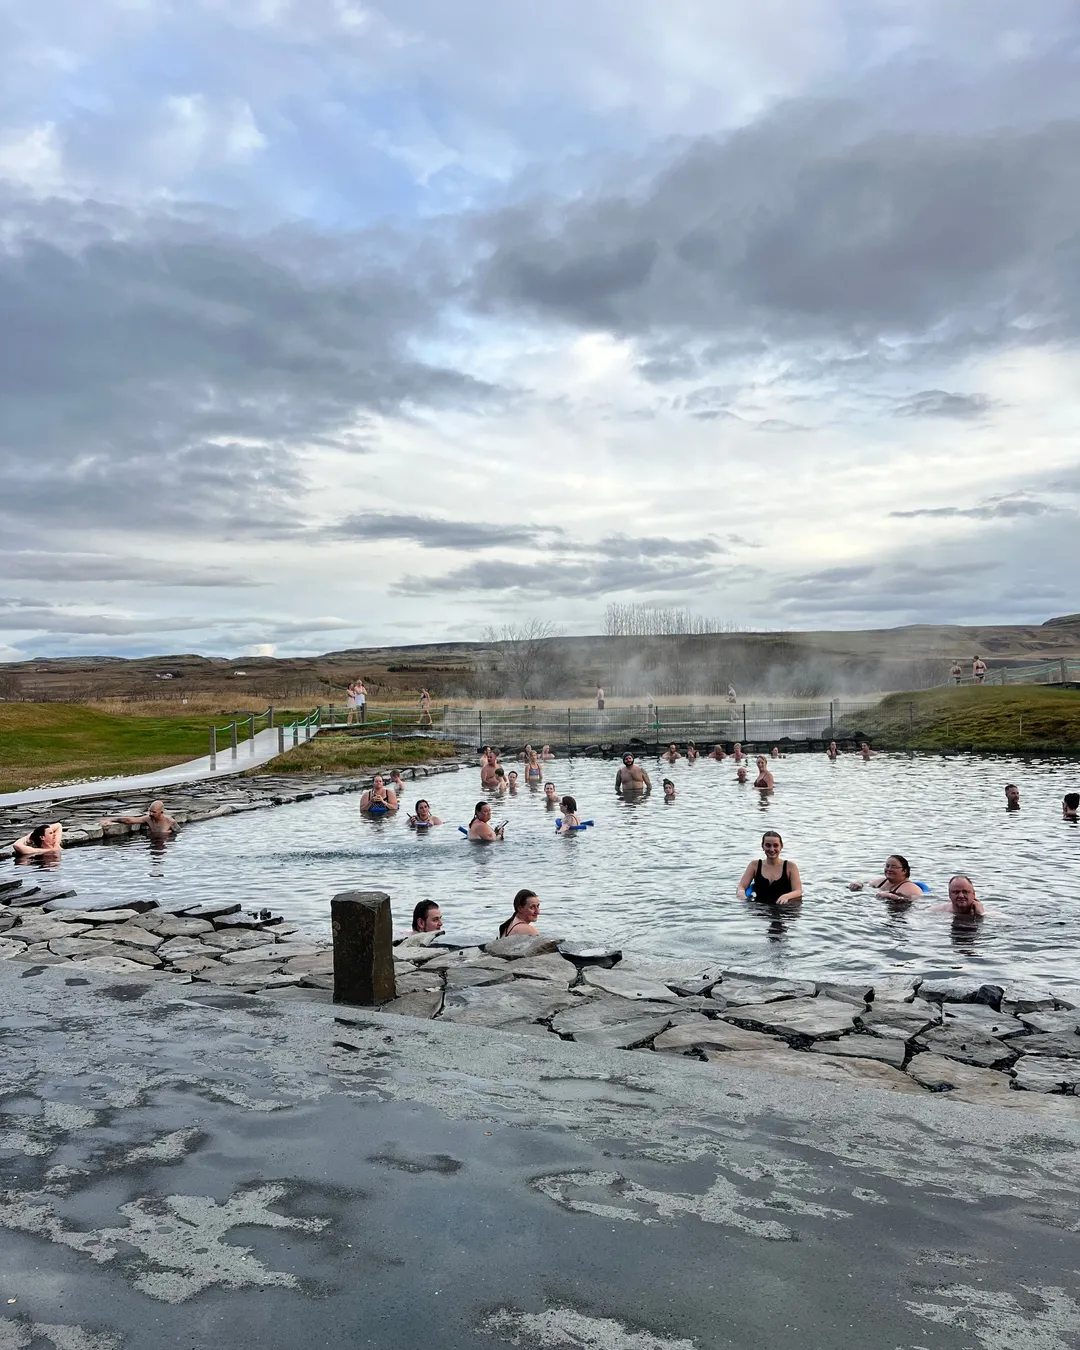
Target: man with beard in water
column 631, row 777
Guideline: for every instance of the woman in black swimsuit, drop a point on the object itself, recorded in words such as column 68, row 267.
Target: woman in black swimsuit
column 774, row 882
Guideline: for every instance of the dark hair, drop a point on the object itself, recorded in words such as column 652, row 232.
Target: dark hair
column 500, row 772
column 37, row 836
column 772, row 834
column 899, row 857
column 628, row 754
column 476, row 809
column 1012, row 787
column 569, row 804
column 519, row 903
column 422, row 802
column 549, row 783
column 420, row 913
column 1071, row 800
column 667, row 783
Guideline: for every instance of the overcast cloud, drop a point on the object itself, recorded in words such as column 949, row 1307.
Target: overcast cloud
column 359, row 308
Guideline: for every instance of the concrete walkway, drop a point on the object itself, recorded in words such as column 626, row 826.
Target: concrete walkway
column 194, row 1169
column 249, row 755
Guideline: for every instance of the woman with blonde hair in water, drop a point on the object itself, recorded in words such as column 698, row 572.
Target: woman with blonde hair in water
column 774, row 882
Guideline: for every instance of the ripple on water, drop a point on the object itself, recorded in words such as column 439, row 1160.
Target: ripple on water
column 659, row 878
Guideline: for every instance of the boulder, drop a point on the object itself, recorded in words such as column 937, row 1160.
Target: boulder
column 703, row 1033
column 811, row 1017
column 960, row 989
column 864, row 1047
column 1047, row 1073
column 826, row 1068
column 968, row 1046
column 628, row 984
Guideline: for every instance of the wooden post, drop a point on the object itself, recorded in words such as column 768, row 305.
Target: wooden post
column 281, row 740
column 363, row 948
column 1064, row 667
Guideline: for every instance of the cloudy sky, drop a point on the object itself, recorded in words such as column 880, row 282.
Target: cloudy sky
column 329, row 323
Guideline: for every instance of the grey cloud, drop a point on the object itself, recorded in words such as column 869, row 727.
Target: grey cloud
column 1000, row 508
column 939, row 403
column 71, row 568
column 651, row 546
column 821, row 222
column 431, row 532
column 161, row 372
column 556, row 578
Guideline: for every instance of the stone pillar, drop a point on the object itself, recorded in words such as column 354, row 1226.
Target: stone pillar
column 363, row 948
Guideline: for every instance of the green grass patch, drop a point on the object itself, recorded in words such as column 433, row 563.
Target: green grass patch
column 1023, row 717
column 348, row 754
column 45, row 743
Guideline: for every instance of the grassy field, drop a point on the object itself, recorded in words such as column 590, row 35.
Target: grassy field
column 975, row 718
column 45, row 743
column 342, row 754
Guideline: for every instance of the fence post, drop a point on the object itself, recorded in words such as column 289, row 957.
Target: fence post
column 480, row 718
column 911, row 720
column 744, row 723
column 281, row 740
column 832, row 719
column 232, row 736
column 213, row 747
column 270, row 718
column 296, row 733
column 1004, row 676
column 251, row 732
column 569, row 740
column 1064, row 668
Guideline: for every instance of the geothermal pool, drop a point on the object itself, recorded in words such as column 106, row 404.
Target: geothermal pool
column 659, row 879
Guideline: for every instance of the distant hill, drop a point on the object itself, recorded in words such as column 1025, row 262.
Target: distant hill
column 778, row 664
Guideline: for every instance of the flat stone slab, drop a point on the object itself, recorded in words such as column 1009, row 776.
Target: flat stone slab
column 95, row 916
column 735, row 992
column 417, row 982
column 9, row 948
column 798, row 1016
column 191, row 965
column 1020, row 997
column 939, row 1074
column 424, row 1005
column 89, row 903
column 464, row 977
column 970, row 1046
column 209, row 910
column 7, row 921
column 980, row 1017
column 170, row 925
column 623, row 1035
column 465, row 956
column 1061, row 1044
column 241, row 978
column 44, row 929
column 860, row 994
column 494, row 1005
column 551, row 967
column 960, row 989
column 592, row 1014
column 1047, row 1073
column 233, row 941
column 828, row 1068
column 321, row 964
column 628, row 984
column 589, row 954
column 521, row 945
column 898, row 1021
column 130, row 935
column 238, row 920
column 112, row 965
column 455, row 941
column 246, row 956
column 864, row 1047
column 705, row 1033
column 1066, row 1020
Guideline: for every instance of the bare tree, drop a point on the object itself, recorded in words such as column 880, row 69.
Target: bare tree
column 638, row 619
column 523, row 650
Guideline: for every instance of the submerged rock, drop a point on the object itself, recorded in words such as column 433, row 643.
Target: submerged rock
column 589, row 954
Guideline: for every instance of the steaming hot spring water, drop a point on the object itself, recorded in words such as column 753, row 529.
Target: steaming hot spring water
column 658, row 879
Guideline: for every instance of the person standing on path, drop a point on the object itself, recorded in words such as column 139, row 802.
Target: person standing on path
column 599, row 699
column 350, row 703
column 361, row 699
column 978, row 669
column 425, row 709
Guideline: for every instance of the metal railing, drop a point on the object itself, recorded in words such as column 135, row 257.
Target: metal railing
column 750, row 722
column 1060, row 671
column 232, row 729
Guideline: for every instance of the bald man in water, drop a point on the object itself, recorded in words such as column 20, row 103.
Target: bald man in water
column 158, row 824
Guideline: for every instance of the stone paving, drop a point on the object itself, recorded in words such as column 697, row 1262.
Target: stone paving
column 81, row 816
column 982, row 1043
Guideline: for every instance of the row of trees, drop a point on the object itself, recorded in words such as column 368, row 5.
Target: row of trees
column 638, row 619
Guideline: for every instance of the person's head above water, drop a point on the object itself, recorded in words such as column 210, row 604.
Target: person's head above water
column 482, row 811
column 427, row 917
column 422, row 809
column 771, row 844
column 897, row 868
column 627, row 758
column 156, row 810
column 1070, row 803
column 962, row 895
column 526, row 911
column 550, row 790
column 45, row 836
column 1012, row 796
column 669, row 787
column 569, row 805
column 740, row 774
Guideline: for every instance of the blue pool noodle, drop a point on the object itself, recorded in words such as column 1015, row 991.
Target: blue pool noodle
column 583, row 826
column 464, row 831
column 923, row 887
